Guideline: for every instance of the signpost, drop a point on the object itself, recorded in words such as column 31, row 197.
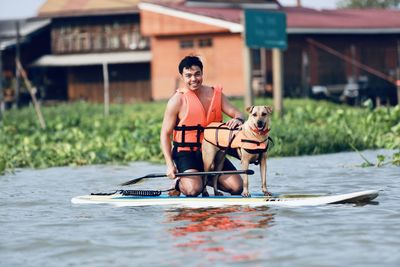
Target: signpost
column 265, row 29
column 1, row 85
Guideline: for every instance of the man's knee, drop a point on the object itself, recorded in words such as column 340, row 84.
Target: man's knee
column 192, row 192
column 236, row 190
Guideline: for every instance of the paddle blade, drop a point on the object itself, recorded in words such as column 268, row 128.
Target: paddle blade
column 137, row 180
column 134, row 181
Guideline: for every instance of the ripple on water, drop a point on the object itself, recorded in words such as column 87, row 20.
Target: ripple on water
column 44, row 228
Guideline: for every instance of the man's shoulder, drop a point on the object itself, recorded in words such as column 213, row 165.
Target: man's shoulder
column 175, row 99
column 216, row 88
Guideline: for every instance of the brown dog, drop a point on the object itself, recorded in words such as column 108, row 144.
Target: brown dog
column 250, row 144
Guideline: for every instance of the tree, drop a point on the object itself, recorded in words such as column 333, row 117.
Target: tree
column 369, row 4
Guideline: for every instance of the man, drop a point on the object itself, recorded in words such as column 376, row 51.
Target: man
column 188, row 111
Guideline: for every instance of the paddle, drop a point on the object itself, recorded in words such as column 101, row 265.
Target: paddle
column 157, row 175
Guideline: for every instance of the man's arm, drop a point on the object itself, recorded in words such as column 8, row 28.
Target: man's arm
column 233, row 112
column 168, row 125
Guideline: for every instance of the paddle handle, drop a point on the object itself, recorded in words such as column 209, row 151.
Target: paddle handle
column 156, row 175
column 248, row 172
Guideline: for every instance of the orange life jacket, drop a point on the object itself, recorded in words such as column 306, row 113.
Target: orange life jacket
column 188, row 134
column 220, row 135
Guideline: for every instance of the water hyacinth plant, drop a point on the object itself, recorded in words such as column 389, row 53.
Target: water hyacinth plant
column 79, row 133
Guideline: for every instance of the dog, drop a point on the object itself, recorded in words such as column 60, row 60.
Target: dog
column 249, row 142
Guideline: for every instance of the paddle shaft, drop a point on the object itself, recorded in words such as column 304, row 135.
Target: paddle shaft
column 249, row 172
column 158, row 175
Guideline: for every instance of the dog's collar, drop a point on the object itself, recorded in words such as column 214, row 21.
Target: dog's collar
column 260, row 132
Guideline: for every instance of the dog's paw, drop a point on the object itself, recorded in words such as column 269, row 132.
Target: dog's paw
column 217, row 193
column 205, row 194
column 246, row 194
column 267, row 193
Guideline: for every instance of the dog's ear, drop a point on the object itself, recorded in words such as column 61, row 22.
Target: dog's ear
column 269, row 109
column 249, row 109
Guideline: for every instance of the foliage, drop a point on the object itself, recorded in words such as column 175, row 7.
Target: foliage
column 369, row 4
column 79, row 134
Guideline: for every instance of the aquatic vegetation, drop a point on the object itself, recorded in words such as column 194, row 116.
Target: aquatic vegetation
column 79, row 133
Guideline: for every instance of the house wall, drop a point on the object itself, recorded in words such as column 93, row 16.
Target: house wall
column 223, row 62
column 129, row 83
column 377, row 52
column 97, row 34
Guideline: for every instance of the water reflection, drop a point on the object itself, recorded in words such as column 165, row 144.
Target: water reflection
column 219, row 229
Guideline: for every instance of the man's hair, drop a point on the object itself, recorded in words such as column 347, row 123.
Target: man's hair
column 189, row 61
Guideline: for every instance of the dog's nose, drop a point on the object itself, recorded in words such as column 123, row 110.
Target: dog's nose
column 260, row 124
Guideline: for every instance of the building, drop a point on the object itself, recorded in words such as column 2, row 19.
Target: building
column 94, row 43
column 330, row 52
column 24, row 40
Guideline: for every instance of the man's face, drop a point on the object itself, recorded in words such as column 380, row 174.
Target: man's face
column 192, row 77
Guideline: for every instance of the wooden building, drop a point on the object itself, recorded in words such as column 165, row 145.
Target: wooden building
column 24, row 40
column 336, row 50
column 94, row 43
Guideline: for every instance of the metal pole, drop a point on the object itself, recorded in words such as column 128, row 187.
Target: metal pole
column 305, row 73
column 248, row 97
column 17, row 59
column 398, row 72
column 106, row 90
column 247, row 64
column 353, row 65
column 277, row 69
column 263, row 59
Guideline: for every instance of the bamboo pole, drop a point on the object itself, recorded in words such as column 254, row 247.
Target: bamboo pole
column 106, row 90
column 31, row 90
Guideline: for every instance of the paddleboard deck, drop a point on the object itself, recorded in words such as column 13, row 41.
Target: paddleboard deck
column 119, row 199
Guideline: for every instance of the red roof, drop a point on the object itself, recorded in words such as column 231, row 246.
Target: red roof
column 342, row 18
column 306, row 18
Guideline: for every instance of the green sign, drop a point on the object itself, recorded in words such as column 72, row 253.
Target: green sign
column 265, row 29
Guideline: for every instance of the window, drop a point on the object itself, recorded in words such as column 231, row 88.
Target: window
column 186, row 44
column 205, row 42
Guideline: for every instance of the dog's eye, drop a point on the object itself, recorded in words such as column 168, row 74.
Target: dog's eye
column 254, row 114
column 263, row 114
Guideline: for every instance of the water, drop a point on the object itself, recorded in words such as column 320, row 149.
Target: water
column 39, row 226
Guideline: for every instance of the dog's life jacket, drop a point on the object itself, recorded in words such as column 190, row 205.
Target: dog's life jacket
column 188, row 134
column 221, row 136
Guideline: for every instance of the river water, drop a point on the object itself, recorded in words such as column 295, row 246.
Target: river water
column 40, row 227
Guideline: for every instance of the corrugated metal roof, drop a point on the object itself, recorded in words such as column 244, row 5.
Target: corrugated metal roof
column 342, row 18
column 27, row 26
column 8, row 30
column 61, row 8
column 71, row 8
column 93, row 59
column 306, row 20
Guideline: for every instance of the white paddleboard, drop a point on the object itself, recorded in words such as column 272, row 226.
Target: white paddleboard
column 216, row 201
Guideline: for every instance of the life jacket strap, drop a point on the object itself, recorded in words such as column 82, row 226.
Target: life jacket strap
column 231, row 137
column 184, row 128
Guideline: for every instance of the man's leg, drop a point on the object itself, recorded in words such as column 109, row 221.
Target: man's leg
column 230, row 183
column 189, row 162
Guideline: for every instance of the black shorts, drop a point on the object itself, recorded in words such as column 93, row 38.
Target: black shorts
column 185, row 160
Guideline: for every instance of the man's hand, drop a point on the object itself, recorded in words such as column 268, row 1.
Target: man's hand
column 233, row 123
column 171, row 170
